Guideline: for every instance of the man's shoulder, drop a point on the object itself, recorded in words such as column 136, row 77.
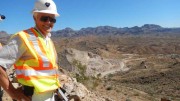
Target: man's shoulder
column 25, row 31
column 19, row 34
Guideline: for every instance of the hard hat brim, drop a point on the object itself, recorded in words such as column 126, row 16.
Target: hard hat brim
column 47, row 11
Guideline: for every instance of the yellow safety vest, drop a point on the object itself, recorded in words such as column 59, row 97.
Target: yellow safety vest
column 40, row 71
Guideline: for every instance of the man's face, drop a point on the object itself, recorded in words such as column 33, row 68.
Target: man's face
column 45, row 22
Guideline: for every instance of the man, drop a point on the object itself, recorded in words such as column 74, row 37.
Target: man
column 34, row 57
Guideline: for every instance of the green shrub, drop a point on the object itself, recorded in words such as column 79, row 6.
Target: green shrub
column 90, row 82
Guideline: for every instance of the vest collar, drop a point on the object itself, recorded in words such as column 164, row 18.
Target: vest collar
column 48, row 35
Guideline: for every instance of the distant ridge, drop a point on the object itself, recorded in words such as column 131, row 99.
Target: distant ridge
column 3, row 37
column 3, row 34
column 147, row 29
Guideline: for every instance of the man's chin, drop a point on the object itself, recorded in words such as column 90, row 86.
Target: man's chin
column 47, row 30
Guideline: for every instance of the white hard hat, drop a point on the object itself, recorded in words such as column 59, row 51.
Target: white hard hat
column 45, row 6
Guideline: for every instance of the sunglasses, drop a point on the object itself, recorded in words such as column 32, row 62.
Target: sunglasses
column 47, row 18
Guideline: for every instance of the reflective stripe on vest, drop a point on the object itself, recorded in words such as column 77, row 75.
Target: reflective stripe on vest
column 36, row 73
column 41, row 70
column 37, row 48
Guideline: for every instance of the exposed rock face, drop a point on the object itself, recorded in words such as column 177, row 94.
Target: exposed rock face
column 73, row 88
column 95, row 65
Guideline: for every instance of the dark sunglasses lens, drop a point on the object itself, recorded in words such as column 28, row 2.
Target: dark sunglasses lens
column 46, row 18
column 52, row 20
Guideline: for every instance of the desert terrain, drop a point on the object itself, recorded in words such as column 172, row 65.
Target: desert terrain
column 122, row 67
column 151, row 66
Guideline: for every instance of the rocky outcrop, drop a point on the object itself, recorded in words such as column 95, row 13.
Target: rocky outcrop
column 94, row 64
column 76, row 89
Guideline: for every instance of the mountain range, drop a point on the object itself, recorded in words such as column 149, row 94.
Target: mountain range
column 146, row 29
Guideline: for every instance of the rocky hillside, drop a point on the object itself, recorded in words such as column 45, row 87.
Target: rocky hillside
column 94, row 64
column 151, row 65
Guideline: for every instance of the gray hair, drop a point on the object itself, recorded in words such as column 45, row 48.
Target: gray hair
column 35, row 14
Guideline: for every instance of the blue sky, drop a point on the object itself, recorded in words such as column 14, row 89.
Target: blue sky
column 78, row 14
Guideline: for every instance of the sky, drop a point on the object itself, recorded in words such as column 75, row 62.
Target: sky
column 78, row 14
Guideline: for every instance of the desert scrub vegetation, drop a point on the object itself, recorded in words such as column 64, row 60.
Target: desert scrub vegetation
column 91, row 82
